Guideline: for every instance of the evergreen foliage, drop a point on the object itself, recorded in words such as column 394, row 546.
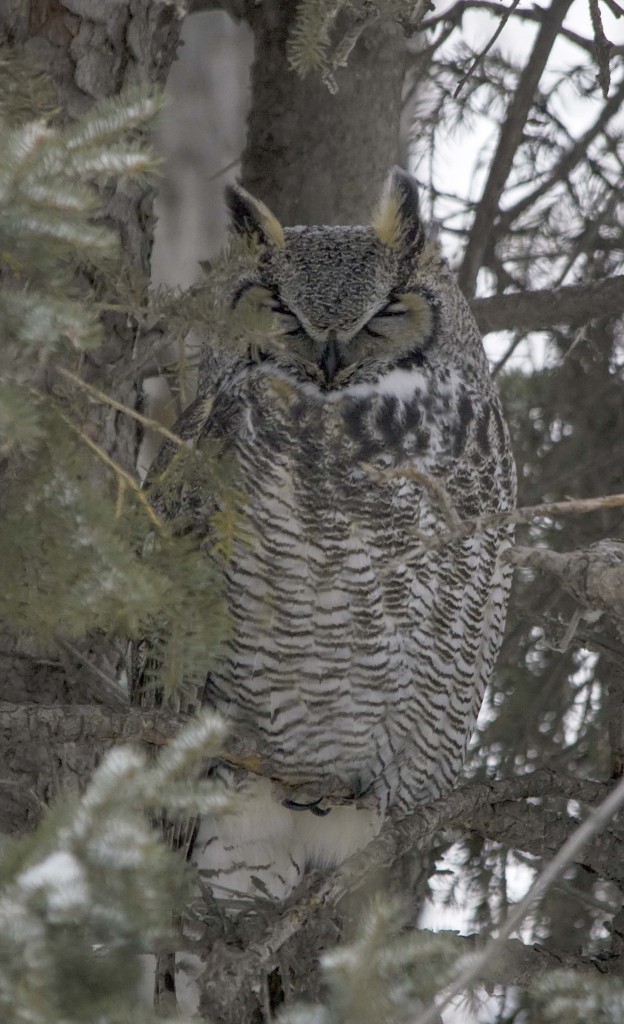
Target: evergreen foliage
column 49, row 208
column 564, row 997
column 388, row 972
column 49, row 212
column 94, row 887
column 73, row 543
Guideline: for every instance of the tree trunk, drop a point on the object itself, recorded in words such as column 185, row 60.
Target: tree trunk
column 94, row 50
column 312, row 156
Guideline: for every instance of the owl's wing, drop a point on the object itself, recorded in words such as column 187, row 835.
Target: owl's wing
column 362, row 638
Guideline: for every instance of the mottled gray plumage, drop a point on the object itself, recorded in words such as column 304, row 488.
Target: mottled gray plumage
column 361, row 430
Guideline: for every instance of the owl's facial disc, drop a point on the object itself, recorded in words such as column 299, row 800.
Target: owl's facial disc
column 401, row 327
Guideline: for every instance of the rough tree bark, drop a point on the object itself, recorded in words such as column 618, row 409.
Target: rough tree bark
column 93, row 50
column 316, row 157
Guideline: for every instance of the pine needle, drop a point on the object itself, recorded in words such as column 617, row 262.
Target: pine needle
column 117, row 469
column 105, row 399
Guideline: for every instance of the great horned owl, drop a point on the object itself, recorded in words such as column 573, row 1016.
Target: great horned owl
column 363, row 427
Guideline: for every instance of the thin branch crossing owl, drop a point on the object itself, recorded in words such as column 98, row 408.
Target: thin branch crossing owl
column 362, row 427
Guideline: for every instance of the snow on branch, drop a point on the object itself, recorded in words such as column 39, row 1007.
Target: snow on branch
column 94, row 887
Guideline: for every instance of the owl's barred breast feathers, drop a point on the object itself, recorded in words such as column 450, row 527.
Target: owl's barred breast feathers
column 358, row 652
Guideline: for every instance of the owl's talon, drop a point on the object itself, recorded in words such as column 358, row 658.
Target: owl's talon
column 320, row 812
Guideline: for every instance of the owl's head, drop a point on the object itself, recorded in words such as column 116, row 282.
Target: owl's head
column 343, row 297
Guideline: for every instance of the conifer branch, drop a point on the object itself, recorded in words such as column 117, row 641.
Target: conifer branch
column 566, row 855
column 573, row 506
column 145, row 421
column 505, row 15
column 121, row 473
column 567, row 162
column 94, row 887
column 461, row 529
column 461, row 808
column 510, row 138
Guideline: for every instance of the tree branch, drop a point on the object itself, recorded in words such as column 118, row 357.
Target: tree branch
column 454, row 15
column 566, row 855
column 573, row 305
column 593, row 576
column 509, row 140
column 515, row 963
column 269, row 930
column 504, row 17
column 470, row 527
column 537, row 831
column 560, row 171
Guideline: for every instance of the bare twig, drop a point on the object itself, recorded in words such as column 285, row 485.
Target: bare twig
column 573, row 506
column 510, row 138
column 435, row 487
column 344, row 49
column 224, row 170
column 120, row 473
column 114, row 694
column 101, row 396
column 505, row 16
column 568, row 852
column 509, row 351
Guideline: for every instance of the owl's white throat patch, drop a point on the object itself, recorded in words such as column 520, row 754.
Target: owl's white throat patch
column 401, row 384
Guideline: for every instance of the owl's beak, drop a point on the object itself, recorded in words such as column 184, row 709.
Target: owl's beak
column 331, row 360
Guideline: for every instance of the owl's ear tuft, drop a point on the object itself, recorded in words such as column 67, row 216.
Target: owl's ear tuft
column 252, row 219
column 396, row 221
